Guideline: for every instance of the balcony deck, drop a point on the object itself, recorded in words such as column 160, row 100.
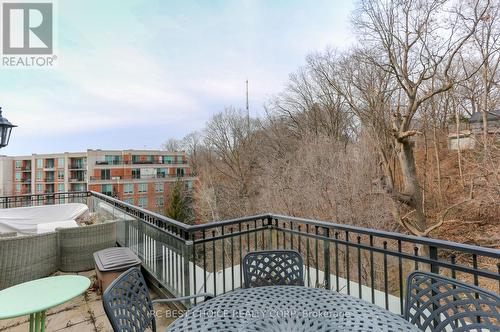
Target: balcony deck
column 187, row 259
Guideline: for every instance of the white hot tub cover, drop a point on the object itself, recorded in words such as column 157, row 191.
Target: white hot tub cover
column 40, row 219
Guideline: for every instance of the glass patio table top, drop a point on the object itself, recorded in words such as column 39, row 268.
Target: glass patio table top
column 288, row 308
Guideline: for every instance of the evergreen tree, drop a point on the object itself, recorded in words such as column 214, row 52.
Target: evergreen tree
column 180, row 204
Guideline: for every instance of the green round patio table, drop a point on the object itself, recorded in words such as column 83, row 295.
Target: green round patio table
column 35, row 297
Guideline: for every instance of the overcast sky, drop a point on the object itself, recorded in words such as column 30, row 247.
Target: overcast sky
column 132, row 74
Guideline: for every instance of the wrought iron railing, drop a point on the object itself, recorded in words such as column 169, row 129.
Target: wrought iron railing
column 366, row 263
column 44, row 199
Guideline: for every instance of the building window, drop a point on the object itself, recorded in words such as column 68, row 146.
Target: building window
column 39, row 163
column 18, row 187
column 168, row 159
column 136, row 173
column 189, row 185
column 129, row 201
column 143, row 202
column 49, row 176
column 60, row 175
column 161, row 172
column 39, row 175
column 77, row 163
column 128, row 188
column 159, row 201
column 49, row 163
column 107, row 189
column 18, row 163
column 78, row 187
column 142, row 187
column 60, row 187
column 105, row 174
column 180, row 171
column 39, row 188
column 159, row 187
column 18, row 176
column 60, row 162
column 112, row 160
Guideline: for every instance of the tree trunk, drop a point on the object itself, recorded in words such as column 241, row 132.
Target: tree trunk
column 438, row 164
column 485, row 133
column 411, row 187
column 485, row 105
column 457, row 122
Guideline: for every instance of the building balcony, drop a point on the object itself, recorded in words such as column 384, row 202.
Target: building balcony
column 104, row 178
column 367, row 264
column 139, row 162
column 109, row 162
column 77, row 166
column 139, row 177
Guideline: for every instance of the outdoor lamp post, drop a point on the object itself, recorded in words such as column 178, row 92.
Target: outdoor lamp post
column 5, row 129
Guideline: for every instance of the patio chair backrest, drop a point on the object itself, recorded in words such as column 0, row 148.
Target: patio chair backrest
column 127, row 303
column 273, row 267
column 437, row 303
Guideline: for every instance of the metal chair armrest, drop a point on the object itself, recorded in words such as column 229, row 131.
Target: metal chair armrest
column 208, row 296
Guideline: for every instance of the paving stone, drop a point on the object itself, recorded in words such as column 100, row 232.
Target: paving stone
column 88, row 274
column 67, row 318
column 102, row 324
column 17, row 328
column 10, row 324
column 71, row 304
column 92, row 294
column 96, row 307
column 85, row 326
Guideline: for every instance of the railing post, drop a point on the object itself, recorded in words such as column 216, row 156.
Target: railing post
column 270, row 233
column 186, row 252
column 159, row 255
column 433, row 255
column 127, row 232
column 140, row 237
column 326, row 257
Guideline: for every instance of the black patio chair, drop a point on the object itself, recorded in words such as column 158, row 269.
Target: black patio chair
column 273, row 267
column 127, row 303
column 437, row 303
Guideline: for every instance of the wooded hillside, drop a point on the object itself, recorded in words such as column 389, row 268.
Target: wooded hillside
column 361, row 136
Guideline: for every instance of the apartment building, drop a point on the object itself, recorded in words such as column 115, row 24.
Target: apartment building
column 139, row 177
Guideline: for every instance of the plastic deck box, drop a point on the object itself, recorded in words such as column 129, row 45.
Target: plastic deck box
column 111, row 262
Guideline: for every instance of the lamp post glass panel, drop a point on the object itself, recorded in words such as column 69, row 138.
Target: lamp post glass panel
column 5, row 129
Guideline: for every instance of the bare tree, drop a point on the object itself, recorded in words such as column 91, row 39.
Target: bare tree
column 172, row 145
column 191, row 143
column 487, row 41
column 310, row 104
column 412, row 42
column 231, row 143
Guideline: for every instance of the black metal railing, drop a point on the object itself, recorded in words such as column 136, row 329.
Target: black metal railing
column 370, row 264
column 367, row 263
column 44, row 199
